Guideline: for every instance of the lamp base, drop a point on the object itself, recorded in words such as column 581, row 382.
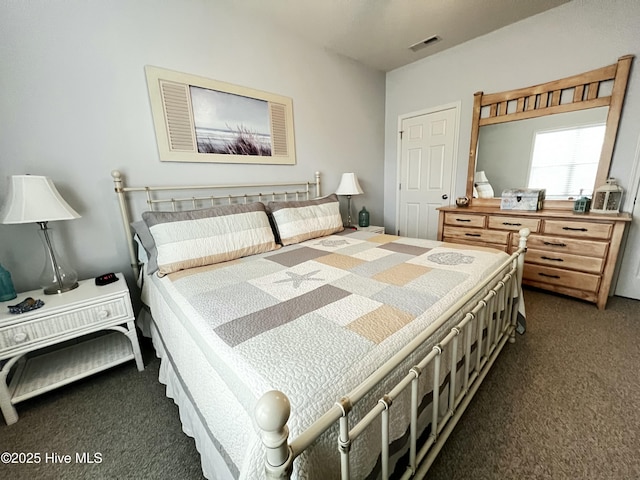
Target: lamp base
column 57, row 277
column 55, row 289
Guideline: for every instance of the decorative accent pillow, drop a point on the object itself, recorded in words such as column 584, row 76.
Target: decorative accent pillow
column 297, row 221
column 195, row 238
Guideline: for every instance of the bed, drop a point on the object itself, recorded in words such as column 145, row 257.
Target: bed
column 297, row 349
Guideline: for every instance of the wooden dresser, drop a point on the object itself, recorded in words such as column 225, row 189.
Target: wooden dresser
column 572, row 254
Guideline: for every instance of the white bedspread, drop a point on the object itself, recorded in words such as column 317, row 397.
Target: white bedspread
column 312, row 320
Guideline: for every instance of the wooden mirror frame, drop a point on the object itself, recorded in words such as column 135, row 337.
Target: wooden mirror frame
column 544, row 99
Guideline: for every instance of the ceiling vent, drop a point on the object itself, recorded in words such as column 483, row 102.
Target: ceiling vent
column 425, row 43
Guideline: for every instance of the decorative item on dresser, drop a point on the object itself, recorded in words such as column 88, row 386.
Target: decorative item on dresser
column 566, row 253
column 35, row 199
column 74, row 318
column 607, row 198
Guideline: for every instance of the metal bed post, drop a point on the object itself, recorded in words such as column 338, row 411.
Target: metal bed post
column 126, row 221
column 272, row 413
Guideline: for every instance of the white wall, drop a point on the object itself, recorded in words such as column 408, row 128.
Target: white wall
column 74, row 106
column 576, row 37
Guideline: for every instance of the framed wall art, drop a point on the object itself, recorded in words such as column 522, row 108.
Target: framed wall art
column 203, row 120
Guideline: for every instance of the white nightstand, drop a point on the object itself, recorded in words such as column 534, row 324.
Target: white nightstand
column 372, row 229
column 70, row 315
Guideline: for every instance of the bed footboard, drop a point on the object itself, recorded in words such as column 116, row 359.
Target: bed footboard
column 478, row 338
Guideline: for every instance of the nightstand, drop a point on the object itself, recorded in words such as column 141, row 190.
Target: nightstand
column 371, row 229
column 30, row 342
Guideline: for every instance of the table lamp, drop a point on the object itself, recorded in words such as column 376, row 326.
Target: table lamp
column 349, row 186
column 33, row 198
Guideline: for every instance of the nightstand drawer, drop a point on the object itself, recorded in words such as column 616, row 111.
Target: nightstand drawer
column 64, row 322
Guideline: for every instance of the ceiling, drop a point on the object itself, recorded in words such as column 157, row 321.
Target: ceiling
column 378, row 33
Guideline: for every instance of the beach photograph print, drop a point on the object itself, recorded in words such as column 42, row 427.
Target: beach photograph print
column 230, row 124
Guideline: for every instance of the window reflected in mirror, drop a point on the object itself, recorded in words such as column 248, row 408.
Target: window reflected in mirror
column 506, row 153
column 566, row 161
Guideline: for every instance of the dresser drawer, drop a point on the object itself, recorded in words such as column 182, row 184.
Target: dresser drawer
column 578, row 229
column 464, row 220
column 64, row 322
column 565, row 260
column 564, row 278
column 477, row 235
column 587, row 248
column 514, row 223
column 477, row 245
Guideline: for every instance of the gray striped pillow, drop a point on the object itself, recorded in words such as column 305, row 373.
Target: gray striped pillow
column 297, row 221
column 195, row 238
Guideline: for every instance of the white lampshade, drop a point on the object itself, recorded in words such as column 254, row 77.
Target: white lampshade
column 349, row 185
column 34, row 198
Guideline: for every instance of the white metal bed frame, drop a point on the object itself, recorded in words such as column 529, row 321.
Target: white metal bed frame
column 493, row 318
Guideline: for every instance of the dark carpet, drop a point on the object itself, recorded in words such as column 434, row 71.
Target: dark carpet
column 563, row 402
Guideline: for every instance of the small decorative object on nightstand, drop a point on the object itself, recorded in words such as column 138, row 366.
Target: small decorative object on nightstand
column 363, row 218
column 31, row 342
column 607, row 198
column 7, row 290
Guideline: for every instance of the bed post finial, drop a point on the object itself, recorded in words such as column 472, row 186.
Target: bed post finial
column 271, row 414
column 318, row 188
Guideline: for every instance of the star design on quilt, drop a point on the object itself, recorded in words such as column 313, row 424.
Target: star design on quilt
column 332, row 243
column 296, row 279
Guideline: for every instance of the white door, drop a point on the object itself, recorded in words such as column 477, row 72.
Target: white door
column 427, row 155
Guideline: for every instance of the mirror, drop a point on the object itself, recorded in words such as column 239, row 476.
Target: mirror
column 558, row 136
column 557, row 152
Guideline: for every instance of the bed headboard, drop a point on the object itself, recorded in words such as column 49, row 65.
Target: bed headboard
column 192, row 197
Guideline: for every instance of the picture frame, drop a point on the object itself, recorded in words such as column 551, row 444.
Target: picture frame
column 198, row 119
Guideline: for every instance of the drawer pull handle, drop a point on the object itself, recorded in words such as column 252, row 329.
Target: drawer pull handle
column 20, row 337
column 473, row 234
column 463, row 220
column 552, row 259
column 103, row 313
column 512, row 224
column 555, row 244
column 550, row 276
column 576, row 229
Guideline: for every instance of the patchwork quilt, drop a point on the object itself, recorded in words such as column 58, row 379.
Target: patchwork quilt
column 314, row 320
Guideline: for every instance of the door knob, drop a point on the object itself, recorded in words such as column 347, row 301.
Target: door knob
column 445, row 196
